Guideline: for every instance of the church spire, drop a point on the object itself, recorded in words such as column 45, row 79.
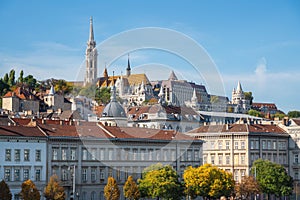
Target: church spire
column 128, row 69
column 91, row 38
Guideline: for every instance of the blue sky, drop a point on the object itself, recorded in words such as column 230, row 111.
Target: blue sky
column 255, row 42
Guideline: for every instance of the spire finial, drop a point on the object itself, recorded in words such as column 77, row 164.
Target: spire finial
column 113, row 95
column 128, row 69
column 91, row 38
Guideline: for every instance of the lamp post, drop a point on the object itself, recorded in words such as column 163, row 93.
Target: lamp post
column 77, row 195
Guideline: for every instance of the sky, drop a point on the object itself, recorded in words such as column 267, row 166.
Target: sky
column 254, row 42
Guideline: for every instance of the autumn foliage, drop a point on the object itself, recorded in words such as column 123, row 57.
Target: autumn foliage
column 29, row 191
column 53, row 191
column 111, row 190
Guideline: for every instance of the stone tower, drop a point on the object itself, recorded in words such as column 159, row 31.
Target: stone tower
column 91, row 58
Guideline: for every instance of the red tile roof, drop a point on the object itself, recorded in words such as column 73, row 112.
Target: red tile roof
column 236, row 128
column 267, row 105
column 22, row 94
column 21, row 131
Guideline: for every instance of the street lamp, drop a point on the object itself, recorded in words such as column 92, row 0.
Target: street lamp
column 77, row 195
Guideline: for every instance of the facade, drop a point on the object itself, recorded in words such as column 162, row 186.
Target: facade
column 178, row 92
column 20, row 100
column 265, row 108
column 234, row 147
column 165, row 117
column 23, row 156
column 56, row 101
column 91, row 58
column 240, row 103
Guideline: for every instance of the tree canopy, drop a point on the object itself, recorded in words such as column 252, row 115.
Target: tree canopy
column 53, row 190
column 254, row 113
column 131, row 190
column 111, row 190
column 294, row 114
column 273, row 178
column 208, row 181
column 247, row 187
column 5, row 191
column 29, row 191
column 161, row 183
column 249, row 96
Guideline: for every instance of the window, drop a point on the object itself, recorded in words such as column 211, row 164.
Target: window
column 118, row 154
column 227, row 159
column 17, row 154
column 101, row 174
column 38, row 175
column 26, row 174
column 236, row 159
column 110, row 154
column 135, row 151
column 93, row 152
column 274, row 145
column 212, row 159
column 296, row 177
column 269, row 144
column 64, row 153
column 37, row 155
column 236, row 145
column 243, row 173
column 197, row 156
column 110, row 172
column 243, row 145
column 252, row 144
column 220, row 159
column 173, row 155
column 26, row 154
column 296, row 158
column 73, row 154
column 282, row 145
column 142, row 154
column 7, row 174
column 242, row 159
column 189, row 155
column 93, row 174
column 64, row 174
column 236, row 175
column 84, row 154
column 257, row 144
column 204, row 159
column 7, row 155
column 151, row 152
column 84, row 174
column 101, row 154
column 212, row 144
column 264, row 144
column 93, row 195
column 54, row 154
column 227, row 145
column 220, row 145
column 118, row 174
column 17, row 175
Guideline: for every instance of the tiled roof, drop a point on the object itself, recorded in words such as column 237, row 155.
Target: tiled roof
column 236, row 128
column 21, row 131
column 21, row 94
column 267, row 105
column 297, row 121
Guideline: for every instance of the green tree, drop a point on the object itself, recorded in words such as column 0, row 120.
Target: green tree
column 161, row 183
column 21, row 77
column 5, row 78
column 272, row 178
column 279, row 115
column 5, row 191
column 31, row 82
column 131, row 190
column 88, row 91
column 248, row 96
column 208, row 181
column 4, row 87
column 11, row 80
column 111, row 190
column 294, row 114
column 63, row 86
column 53, row 190
column 254, row 113
column 29, row 191
column 247, row 187
column 102, row 95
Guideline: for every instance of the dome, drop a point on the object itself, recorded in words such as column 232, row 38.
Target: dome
column 113, row 109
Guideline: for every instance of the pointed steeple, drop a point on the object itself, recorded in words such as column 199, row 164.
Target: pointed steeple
column 172, row 76
column 91, row 38
column 239, row 87
column 128, row 69
column 52, row 91
column 105, row 74
column 194, row 97
column 113, row 97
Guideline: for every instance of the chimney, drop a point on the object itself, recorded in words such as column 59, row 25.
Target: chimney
column 43, row 121
column 70, row 122
column 61, row 122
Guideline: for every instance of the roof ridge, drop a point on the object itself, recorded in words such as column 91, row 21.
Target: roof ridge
column 106, row 131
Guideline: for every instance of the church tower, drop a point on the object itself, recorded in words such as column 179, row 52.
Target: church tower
column 91, row 58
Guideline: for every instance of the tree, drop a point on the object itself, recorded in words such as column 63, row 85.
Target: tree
column 53, row 190
column 208, row 181
column 111, row 190
column 4, row 87
column 254, row 113
column 248, row 96
column 5, row 191
column 5, row 78
column 21, row 78
column 247, row 187
column 272, row 178
column 102, row 95
column 162, row 183
column 294, row 114
column 11, row 80
column 29, row 191
column 131, row 190
column 63, row 86
column 30, row 81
